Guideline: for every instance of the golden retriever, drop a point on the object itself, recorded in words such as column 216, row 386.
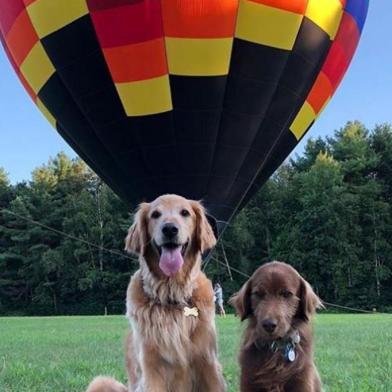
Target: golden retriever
column 277, row 353
column 172, row 344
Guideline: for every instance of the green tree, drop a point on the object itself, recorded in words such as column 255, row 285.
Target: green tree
column 327, row 212
column 315, row 239
column 312, row 149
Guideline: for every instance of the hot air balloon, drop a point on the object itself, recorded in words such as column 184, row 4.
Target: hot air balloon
column 203, row 98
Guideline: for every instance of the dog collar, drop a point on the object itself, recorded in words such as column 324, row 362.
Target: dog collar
column 188, row 307
column 287, row 346
column 188, row 310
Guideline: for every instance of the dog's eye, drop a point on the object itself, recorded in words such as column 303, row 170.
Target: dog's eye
column 156, row 214
column 259, row 294
column 286, row 294
column 185, row 213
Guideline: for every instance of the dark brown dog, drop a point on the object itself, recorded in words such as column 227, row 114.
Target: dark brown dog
column 277, row 353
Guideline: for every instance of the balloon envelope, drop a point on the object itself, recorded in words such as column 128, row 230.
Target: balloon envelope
column 203, row 98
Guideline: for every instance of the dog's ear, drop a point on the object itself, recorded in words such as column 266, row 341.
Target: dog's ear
column 242, row 301
column 309, row 302
column 137, row 237
column 204, row 234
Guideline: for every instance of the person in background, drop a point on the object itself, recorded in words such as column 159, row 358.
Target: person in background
column 218, row 297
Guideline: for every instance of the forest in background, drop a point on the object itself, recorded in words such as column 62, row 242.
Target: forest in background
column 328, row 212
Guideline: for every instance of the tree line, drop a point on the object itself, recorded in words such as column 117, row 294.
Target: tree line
column 328, row 212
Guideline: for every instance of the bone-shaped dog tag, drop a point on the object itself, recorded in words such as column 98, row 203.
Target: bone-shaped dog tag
column 191, row 311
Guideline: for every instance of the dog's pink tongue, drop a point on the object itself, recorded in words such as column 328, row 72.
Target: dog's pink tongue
column 171, row 261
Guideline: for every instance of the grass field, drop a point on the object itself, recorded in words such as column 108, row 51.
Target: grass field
column 62, row 354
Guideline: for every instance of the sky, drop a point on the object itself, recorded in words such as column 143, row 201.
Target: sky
column 27, row 140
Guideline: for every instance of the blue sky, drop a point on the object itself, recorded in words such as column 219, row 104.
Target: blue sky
column 27, row 140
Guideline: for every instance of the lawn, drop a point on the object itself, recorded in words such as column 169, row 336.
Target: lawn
column 62, row 354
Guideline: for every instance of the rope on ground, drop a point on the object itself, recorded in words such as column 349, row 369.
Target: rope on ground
column 348, row 308
column 113, row 252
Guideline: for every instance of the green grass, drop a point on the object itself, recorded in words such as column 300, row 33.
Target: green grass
column 62, row 354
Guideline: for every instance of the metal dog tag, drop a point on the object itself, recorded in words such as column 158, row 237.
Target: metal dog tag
column 291, row 355
column 191, row 311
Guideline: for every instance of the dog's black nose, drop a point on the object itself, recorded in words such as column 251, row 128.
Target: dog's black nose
column 269, row 325
column 170, row 230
